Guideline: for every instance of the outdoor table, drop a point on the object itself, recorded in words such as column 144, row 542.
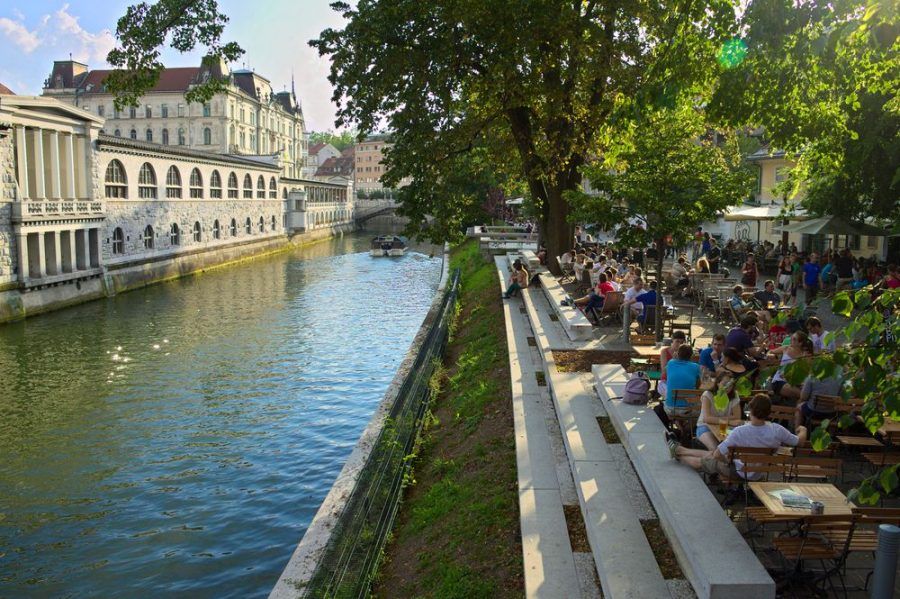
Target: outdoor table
column 852, row 441
column 889, row 426
column 836, row 503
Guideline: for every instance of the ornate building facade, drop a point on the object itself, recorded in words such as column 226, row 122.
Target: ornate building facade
column 249, row 118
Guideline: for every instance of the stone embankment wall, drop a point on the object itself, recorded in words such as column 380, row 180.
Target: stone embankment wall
column 126, row 276
column 7, row 196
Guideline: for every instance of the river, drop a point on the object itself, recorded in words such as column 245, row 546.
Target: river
column 177, row 440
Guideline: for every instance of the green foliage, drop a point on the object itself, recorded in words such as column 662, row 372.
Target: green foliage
column 146, row 28
column 823, row 79
column 867, row 352
column 533, row 82
column 341, row 140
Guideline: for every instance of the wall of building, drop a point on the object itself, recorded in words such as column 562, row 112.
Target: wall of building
column 8, row 255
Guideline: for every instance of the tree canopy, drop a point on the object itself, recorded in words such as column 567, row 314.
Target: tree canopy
column 823, row 80
column 340, row 140
column 537, row 78
column 146, row 28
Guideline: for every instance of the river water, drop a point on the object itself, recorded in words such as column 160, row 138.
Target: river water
column 177, row 440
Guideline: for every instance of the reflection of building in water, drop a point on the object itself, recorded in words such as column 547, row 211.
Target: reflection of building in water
column 85, row 215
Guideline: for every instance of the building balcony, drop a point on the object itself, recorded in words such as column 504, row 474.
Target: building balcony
column 41, row 210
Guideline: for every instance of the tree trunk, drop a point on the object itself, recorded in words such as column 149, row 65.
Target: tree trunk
column 660, row 252
column 557, row 232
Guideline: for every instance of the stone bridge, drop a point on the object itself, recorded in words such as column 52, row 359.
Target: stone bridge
column 366, row 209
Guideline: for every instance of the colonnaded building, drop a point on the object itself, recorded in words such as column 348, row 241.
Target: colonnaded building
column 85, row 214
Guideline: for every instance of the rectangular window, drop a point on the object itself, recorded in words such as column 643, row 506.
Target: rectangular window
column 100, row 110
column 207, row 110
column 148, row 112
column 782, row 173
column 872, row 242
column 164, row 111
column 181, row 110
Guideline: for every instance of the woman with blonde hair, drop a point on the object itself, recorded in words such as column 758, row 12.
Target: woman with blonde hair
column 710, row 412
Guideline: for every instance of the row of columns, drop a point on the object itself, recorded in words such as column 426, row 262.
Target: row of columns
column 51, row 164
column 45, row 254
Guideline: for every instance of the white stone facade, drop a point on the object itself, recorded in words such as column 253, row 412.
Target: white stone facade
column 7, row 197
column 132, row 214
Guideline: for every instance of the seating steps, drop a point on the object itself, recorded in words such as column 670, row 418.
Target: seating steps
column 711, row 551
column 576, row 324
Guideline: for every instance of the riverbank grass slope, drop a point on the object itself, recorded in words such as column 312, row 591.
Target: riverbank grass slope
column 457, row 532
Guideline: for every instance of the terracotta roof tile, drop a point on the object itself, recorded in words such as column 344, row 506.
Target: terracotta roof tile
column 176, row 79
column 314, row 149
column 5, row 91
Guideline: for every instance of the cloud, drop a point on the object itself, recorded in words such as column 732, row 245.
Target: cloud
column 84, row 45
column 18, row 34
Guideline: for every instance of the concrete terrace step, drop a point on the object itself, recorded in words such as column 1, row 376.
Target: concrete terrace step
column 549, row 563
column 576, row 324
column 623, row 556
column 713, row 555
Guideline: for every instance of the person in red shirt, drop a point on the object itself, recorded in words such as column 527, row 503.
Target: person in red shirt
column 595, row 298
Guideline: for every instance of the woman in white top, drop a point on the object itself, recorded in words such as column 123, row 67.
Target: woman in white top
column 711, row 416
column 800, row 347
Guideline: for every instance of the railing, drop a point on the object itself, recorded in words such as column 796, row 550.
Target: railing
column 55, row 208
column 350, row 557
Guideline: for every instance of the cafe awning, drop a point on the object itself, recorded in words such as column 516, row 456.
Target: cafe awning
column 834, row 225
column 768, row 212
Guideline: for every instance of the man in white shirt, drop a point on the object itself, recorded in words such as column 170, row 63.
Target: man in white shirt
column 630, row 295
column 759, row 432
column 817, row 335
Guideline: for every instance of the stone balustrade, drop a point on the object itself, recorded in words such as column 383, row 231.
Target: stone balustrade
column 35, row 209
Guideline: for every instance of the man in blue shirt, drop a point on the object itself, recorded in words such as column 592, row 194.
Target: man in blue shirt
column 681, row 373
column 648, row 298
column 811, row 277
column 711, row 357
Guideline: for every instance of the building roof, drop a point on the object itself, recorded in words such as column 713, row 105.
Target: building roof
column 111, row 142
column 177, row 79
column 336, row 165
column 766, row 153
column 5, row 91
column 314, row 149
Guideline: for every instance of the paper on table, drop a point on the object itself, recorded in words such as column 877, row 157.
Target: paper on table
column 790, row 498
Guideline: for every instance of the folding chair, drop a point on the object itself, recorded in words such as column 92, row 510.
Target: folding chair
column 823, row 539
column 682, row 320
column 688, row 414
column 567, row 269
column 610, row 308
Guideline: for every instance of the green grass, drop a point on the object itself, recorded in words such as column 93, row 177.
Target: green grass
column 457, row 534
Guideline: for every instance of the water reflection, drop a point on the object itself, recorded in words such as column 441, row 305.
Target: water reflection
column 179, row 438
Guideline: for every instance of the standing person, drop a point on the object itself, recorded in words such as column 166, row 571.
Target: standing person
column 892, row 278
column 796, row 277
column 705, row 244
column 844, row 266
column 784, row 274
column 749, row 271
column 811, row 277
column 714, row 255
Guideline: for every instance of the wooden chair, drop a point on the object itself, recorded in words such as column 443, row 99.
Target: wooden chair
column 611, row 308
column 822, row 539
column 682, row 320
column 687, row 418
column 865, row 535
column 816, row 468
column 825, row 405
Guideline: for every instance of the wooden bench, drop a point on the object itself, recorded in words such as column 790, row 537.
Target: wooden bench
column 573, row 321
column 715, row 558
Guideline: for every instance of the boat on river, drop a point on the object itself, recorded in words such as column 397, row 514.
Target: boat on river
column 388, row 245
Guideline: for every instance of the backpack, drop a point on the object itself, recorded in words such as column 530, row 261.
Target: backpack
column 637, row 389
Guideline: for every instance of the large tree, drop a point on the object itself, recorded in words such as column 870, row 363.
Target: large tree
column 667, row 174
column 823, row 80
column 542, row 76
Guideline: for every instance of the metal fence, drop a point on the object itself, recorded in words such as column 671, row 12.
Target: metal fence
column 349, row 560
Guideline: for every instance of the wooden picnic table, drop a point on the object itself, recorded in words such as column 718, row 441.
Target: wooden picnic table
column 858, row 441
column 889, row 426
column 836, row 503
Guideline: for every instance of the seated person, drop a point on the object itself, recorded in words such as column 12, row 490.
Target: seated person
column 736, row 363
column 681, row 373
column 800, row 347
column 680, row 274
column 759, row 432
column 741, row 307
column 667, row 353
column 518, row 281
column 648, row 298
column 711, row 357
column 595, row 298
column 812, row 388
column 710, row 415
column 817, row 334
column 767, row 298
column 740, row 337
column 702, row 265
column 631, row 294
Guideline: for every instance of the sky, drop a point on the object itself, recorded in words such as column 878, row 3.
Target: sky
column 273, row 33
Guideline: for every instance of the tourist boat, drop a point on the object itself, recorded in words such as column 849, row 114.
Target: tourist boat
column 388, row 245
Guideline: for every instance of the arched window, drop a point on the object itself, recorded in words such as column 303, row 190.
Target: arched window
column 180, row 136
column 248, row 186
column 116, row 183
column 261, row 188
column 146, row 182
column 262, row 224
column 118, row 133
column 118, row 241
column 233, row 228
column 207, row 136
column 174, row 235
column 215, row 185
column 173, row 183
column 273, row 222
column 165, row 137
column 232, row 185
column 147, row 238
column 273, row 189
column 248, row 226
column 133, row 134
column 149, row 135
column 196, row 183
column 217, row 231
column 197, row 231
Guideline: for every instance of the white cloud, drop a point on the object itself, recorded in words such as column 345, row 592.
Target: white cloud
column 84, row 45
column 18, row 34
